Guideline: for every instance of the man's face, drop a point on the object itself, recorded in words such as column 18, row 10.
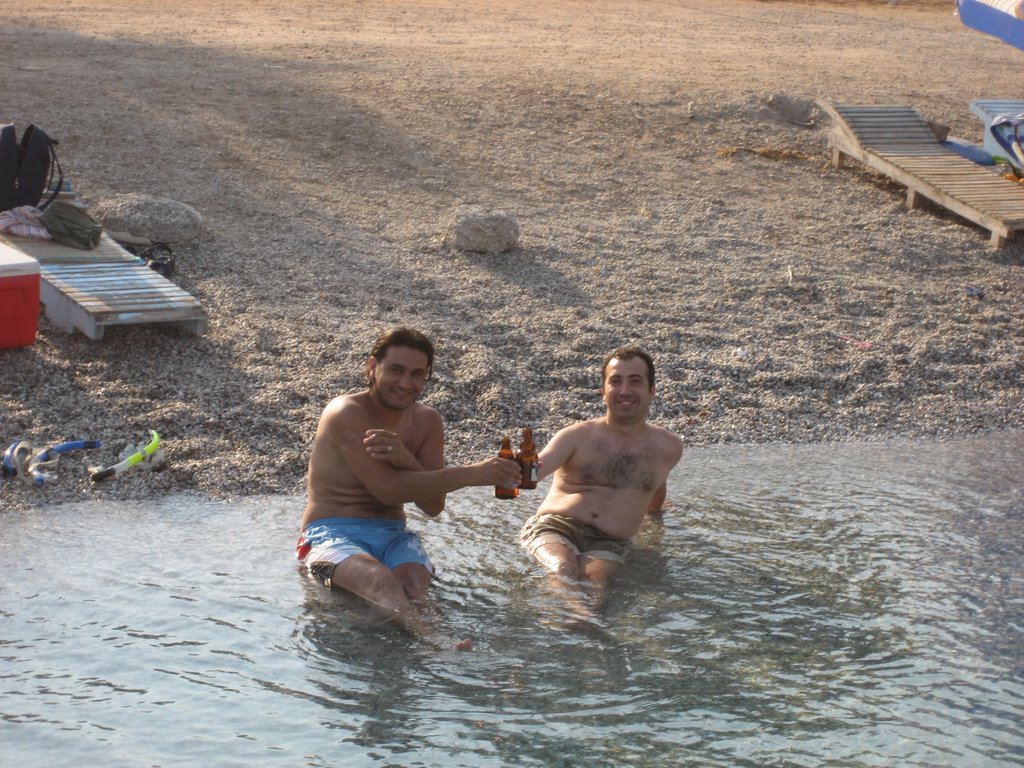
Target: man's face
column 626, row 391
column 397, row 380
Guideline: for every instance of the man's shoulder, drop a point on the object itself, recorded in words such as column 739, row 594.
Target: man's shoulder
column 352, row 399
column 663, row 432
column 666, row 439
column 350, row 406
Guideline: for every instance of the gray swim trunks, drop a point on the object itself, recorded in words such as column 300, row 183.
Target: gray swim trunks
column 578, row 537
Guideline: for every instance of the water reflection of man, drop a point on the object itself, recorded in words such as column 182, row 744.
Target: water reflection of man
column 373, row 452
column 608, row 474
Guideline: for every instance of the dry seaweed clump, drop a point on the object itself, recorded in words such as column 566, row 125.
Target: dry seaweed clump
column 772, row 153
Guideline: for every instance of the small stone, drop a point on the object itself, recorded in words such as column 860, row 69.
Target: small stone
column 478, row 231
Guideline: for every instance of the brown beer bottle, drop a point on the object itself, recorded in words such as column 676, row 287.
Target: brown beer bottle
column 527, row 458
column 501, row 492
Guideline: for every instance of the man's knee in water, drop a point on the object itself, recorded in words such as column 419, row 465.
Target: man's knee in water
column 560, row 560
column 414, row 579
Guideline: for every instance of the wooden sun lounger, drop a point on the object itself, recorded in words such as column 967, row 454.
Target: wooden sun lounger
column 90, row 290
column 897, row 142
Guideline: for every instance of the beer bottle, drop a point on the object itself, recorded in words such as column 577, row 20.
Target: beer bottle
column 501, row 492
column 527, row 458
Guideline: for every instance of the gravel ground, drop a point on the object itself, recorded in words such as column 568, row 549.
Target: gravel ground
column 665, row 162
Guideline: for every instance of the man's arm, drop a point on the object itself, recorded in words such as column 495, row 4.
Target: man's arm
column 656, row 506
column 347, row 426
column 558, row 450
column 429, row 454
column 673, row 448
column 430, row 457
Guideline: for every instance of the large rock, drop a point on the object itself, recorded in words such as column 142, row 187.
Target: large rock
column 479, row 231
column 143, row 217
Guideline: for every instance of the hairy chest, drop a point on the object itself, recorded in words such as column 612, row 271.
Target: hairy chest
column 617, row 467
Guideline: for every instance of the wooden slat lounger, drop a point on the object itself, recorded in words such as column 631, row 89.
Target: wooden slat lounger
column 90, row 290
column 897, row 142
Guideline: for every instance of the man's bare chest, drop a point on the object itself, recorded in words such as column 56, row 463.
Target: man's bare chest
column 617, row 468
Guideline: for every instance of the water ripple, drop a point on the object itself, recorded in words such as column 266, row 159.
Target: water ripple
column 802, row 605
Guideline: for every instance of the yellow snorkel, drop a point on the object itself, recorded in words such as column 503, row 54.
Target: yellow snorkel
column 124, row 465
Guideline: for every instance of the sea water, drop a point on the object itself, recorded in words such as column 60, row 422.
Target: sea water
column 839, row 605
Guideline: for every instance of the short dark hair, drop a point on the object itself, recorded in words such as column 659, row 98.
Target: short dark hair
column 628, row 353
column 403, row 336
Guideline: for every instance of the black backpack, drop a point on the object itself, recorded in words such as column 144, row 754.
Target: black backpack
column 27, row 168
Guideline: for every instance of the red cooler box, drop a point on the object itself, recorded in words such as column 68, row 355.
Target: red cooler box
column 19, row 297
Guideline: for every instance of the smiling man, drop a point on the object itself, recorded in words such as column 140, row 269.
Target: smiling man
column 373, row 452
column 608, row 473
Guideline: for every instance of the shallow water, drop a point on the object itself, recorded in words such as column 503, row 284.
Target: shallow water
column 849, row 605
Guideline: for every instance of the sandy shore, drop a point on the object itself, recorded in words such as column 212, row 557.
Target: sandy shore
column 326, row 147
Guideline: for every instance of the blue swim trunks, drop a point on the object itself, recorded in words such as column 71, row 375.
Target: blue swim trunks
column 326, row 542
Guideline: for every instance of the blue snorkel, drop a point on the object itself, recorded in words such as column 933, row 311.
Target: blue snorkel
column 22, row 460
column 48, row 458
column 16, row 458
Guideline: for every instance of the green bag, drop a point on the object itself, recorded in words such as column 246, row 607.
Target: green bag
column 71, row 225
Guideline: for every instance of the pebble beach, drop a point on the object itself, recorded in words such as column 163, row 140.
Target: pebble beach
column 669, row 172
